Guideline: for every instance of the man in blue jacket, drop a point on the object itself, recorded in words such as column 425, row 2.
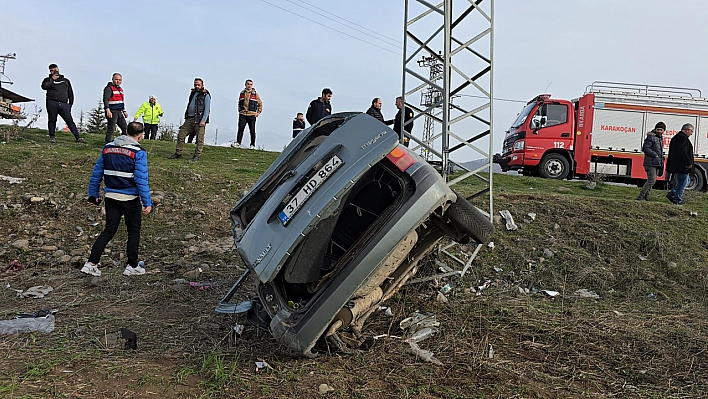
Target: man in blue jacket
column 122, row 166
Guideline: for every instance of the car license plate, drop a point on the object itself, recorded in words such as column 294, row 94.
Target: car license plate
column 309, row 188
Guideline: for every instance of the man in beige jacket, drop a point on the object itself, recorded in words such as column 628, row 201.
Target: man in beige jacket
column 250, row 107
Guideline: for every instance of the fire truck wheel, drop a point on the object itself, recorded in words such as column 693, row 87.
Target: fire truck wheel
column 554, row 166
column 469, row 220
column 695, row 180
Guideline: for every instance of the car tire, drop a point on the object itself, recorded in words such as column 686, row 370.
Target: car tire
column 469, row 220
column 695, row 180
column 554, row 166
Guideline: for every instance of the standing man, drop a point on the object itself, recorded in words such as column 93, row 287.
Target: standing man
column 60, row 98
column 407, row 121
column 680, row 162
column 249, row 107
column 151, row 112
column 320, row 107
column 114, row 104
column 196, row 118
column 298, row 124
column 653, row 158
column 375, row 109
column 122, row 166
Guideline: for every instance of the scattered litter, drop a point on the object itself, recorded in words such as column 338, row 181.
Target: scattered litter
column 423, row 354
column 443, row 267
column 422, row 334
column 651, row 296
column 550, row 293
column 478, row 290
column 671, row 265
column 36, row 292
column 523, row 290
column 41, row 321
column 180, row 281
column 15, row 266
column 445, row 289
column 386, row 336
column 131, row 338
column 491, row 244
column 94, row 224
column 532, row 215
column 534, row 345
column 12, row 180
column 441, row 298
column 387, row 310
column 490, row 351
column 262, row 364
column 585, row 293
column 324, row 388
column 694, row 213
column 618, row 313
column 642, row 257
column 418, row 321
column 238, row 329
column 510, row 225
column 200, row 286
column 498, row 269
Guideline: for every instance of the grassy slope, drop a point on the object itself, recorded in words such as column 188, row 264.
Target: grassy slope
column 626, row 344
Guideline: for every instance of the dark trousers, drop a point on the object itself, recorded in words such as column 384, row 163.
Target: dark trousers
column 56, row 108
column 117, row 117
column 132, row 212
column 242, row 121
column 150, row 131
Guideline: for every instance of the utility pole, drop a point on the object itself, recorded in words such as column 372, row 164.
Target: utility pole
column 3, row 60
column 430, row 98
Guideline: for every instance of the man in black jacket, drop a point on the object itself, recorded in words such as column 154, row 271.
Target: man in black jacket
column 298, row 124
column 375, row 109
column 196, row 118
column 60, row 98
column 407, row 122
column 319, row 107
column 680, row 162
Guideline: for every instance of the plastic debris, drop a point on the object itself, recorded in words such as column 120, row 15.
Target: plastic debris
column 694, row 213
column 491, row 244
column 441, row 298
column 498, row 269
column 15, row 266
column 262, row 364
column 510, row 225
column 651, row 296
column 423, row 354
column 445, row 289
column 531, row 215
column 418, row 321
column 324, row 388
column 12, row 180
column 490, row 351
column 550, row 293
column 238, row 329
column 585, row 293
column 200, row 286
column 94, row 224
column 36, row 292
column 642, row 257
column 422, row 334
column 42, row 321
column 387, row 310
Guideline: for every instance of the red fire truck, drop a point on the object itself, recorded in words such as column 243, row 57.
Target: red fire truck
column 602, row 132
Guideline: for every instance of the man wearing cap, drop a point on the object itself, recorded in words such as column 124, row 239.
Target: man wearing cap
column 653, row 158
column 151, row 112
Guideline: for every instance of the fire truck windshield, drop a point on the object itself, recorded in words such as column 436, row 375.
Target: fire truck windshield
column 523, row 115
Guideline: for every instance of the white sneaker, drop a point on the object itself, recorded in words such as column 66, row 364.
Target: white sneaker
column 253, row 147
column 235, row 145
column 92, row 269
column 133, row 271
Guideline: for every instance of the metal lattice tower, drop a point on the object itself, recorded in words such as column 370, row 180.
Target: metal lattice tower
column 459, row 38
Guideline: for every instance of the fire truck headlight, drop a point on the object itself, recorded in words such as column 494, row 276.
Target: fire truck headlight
column 519, row 145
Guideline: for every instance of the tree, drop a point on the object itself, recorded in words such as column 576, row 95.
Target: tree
column 166, row 132
column 82, row 124
column 97, row 122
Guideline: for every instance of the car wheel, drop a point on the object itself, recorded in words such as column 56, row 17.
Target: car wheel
column 695, row 180
column 554, row 166
column 469, row 220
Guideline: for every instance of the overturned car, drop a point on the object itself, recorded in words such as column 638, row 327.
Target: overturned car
column 335, row 226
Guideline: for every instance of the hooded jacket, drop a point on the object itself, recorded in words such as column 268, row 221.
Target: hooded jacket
column 653, row 150
column 59, row 90
column 122, row 166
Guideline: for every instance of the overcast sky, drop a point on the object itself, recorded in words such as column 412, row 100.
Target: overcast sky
column 160, row 46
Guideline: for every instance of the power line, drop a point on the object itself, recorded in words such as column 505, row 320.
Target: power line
column 495, row 99
column 329, row 27
column 379, row 37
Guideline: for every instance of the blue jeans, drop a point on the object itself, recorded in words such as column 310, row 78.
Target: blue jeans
column 681, row 183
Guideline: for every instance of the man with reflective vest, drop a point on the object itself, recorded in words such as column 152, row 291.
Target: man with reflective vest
column 123, row 168
column 114, row 104
column 196, row 118
column 151, row 112
column 250, row 107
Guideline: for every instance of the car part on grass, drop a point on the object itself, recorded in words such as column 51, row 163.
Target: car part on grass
column 335, row 226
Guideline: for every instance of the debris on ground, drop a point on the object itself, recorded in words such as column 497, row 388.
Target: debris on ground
column 585, row 293
column 200, row 286
column 510, row 225
column 324, row 388
column 131, row 338
column 441, row 298
column 15, row 266
column 419, row 326
column 642, row 257
column 547, row 253
column 238, row 329
column 36, row 292
column 262, row 364
column 12, row 180
column 423, row 354
column 41, row 321
column 387, row 310
column 550, row 293
column 694, row 213
column 531, row 215
column 491, row 244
